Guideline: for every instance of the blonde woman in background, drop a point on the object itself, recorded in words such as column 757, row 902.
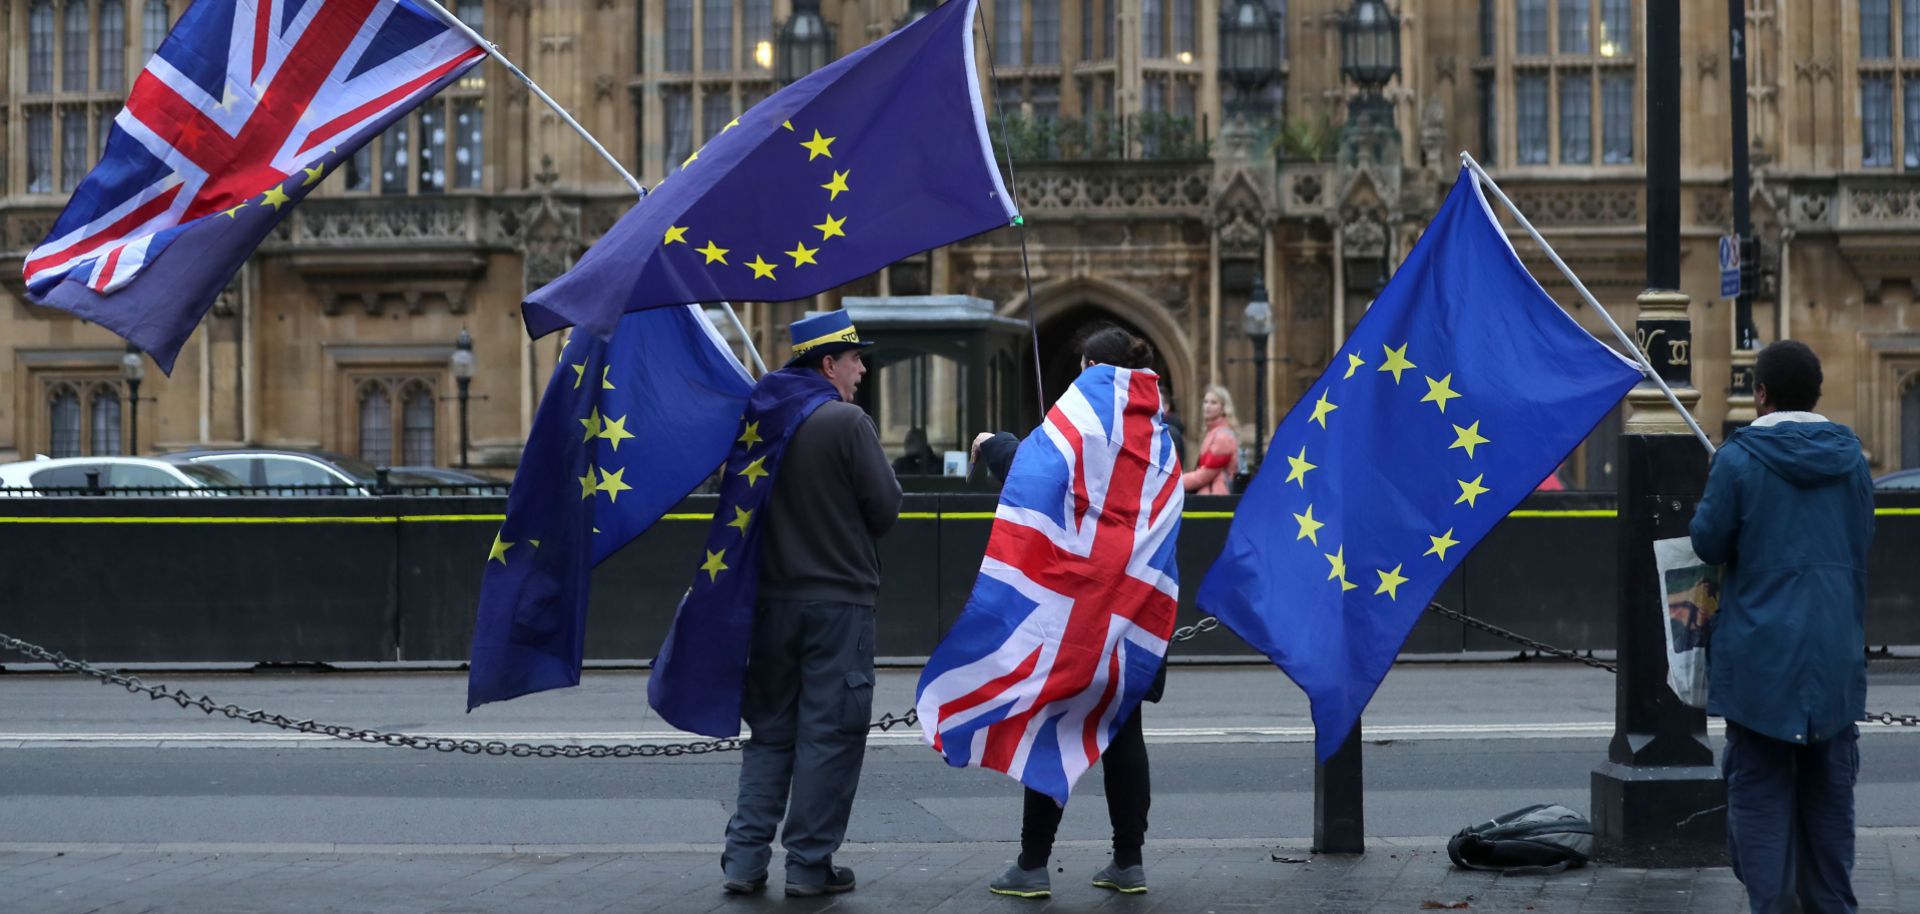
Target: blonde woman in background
column 1219, row 461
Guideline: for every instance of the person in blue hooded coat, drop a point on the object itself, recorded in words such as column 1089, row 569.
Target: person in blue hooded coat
column 1788, row 513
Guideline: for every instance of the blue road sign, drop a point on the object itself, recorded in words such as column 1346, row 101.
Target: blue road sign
column 1729, row 266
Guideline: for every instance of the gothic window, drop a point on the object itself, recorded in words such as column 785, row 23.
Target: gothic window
column 716, row 109
column 1530, row 127
column 1876, row 29
column 105, row 421
column 1571, row 75
column 397, row 420
column 1889, row 89
column 1046, row 33
column 39, row 151
column 113, row 46
column 678, row 107
column 153, row 28
column 1575, row 26
column 1008, row 19
column 1530, row 27
column 679, row 36
column 1616, row 95
column 417, row 426
column 433, row 143
column 469, row 124
column 63, row 415
column 40, row 46
column 376, row 423
column 1576, row 118
column 716, row 54
column 1910, row 424
column 1876, row 121
column 77, row 35
column 1153, row 28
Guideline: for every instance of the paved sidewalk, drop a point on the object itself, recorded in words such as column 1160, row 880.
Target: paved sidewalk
column 1185, row 876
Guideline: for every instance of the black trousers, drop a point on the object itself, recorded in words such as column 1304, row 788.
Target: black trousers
column 1129, row 793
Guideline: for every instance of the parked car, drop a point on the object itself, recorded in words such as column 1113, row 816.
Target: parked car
column 115, row 476
column 444, row 481
column 1898, row 481
column 287, row 471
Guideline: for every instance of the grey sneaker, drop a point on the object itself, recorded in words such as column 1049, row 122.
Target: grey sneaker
column 745, row 886
column 1022, row 883
column 1127, row 880
column 839, row 880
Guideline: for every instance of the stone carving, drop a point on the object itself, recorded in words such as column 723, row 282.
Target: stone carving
column 1814, row 70
column 1445, row 67
column 1883, row 203
column 1707, row 65
column 1433, row 135
column 552, row 234
column 1578, row 205
column 603, row 87
column 1362, row 235
column 1181, row 188
column 1710, row 208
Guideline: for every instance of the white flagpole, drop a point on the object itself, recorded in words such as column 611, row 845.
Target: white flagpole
column 1646, row 367
column 493, row 51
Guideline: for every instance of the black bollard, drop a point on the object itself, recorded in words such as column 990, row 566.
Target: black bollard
column 1339, row 815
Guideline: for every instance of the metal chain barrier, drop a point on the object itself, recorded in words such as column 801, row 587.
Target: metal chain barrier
column 495, row 747
column 1517, row 638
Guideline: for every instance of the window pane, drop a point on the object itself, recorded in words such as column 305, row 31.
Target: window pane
column 40, row 47
column 1486, row 28
column 433, row 148
column 716, row 109
column 756, row 33
column 78, row 37
column 1153, row 42
column 1616, row 91
column 417, row 444
column 1876, row 121
column 153, row 28
column 679, row 36
column 1910, row 29
column 1183, row 27
column 73, row 149
column 1112, row 8
column 1876, row 29
column 716, row 36
column 106, row 421
column 469, row 142
column 113, row 45
column 63, row 414
column 1185, row 99
column 393, row 157
column 103, row 128
column 1484, row 90
column 473, row 13
column 1086, row 30
column 1616, row 28
column 1575, row 27
column 1530, row 27
column 359, row 169
column 1530, row 127
column 677, row 106
column 376, row 426
column 1910, row 145
column 1576, row 118
column 293, row 471
column 1007, row 26
column 39, row 152
column 1046, row 101
column 1046, row 32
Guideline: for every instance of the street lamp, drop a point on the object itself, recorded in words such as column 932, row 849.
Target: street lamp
column 1370, row 54
column 462, row 367
column 805, row 43
column 1250, row 52
column 1257, row 323
column 133, row 370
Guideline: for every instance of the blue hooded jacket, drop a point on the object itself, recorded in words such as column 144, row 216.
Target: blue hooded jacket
column 1788, row 512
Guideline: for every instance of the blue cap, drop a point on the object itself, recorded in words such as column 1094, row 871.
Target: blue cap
column 824, row 334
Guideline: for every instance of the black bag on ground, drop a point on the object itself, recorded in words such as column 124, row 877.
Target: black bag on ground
column 1544, row 838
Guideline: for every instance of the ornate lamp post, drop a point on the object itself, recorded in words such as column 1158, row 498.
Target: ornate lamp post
column 1370, row 55
column 133, row 370
column 461, row 364
column 805, row 43
column 1257, row 323
column 1250, row 53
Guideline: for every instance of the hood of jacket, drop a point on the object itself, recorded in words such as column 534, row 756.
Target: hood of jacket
column 1807, row 454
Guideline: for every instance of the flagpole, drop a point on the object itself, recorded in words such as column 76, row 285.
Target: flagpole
column 493, row 51
column 1646, row 367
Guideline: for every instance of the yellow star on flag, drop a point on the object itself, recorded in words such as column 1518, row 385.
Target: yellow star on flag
column 1298, row 467
column 1470, row 490
column 675, row 233
column 276, row 197
column 230, row 213
column 587, row 485
column 802, row 254
column 714, row 253
column 730, row 125
column 314, row 175
column 818, row 146
column 499, row 550
column 837, row 186
column 713, row 566
column 615, row 431
column 1396, row 361
column 1354, row 363
column 1441, row 544
column 1338, row 559
column 741, row 517
column 1320, row 410
column 754, row 471
column 579, row 374
column 612, row 484
column 1468, row 438
column 1390, row 582
column 606, row 384
column 534, row 543
column 691, row 159
column 1309, row 528
column 1439, row 392
column 592, row 422
column 831, row 228
column 751, row 436
column 760, row 267
column 787, row 124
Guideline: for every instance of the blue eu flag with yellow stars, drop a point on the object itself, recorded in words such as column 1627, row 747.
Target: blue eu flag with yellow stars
column 877, row 156
column 627, row 427
column 1461, row 389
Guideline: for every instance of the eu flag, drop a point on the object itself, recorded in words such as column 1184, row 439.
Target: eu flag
column 877, row 156
column 1462, row 388
column 627, row 427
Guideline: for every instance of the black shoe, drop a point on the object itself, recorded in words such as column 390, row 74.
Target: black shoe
column 840, row 881
column 745, row 886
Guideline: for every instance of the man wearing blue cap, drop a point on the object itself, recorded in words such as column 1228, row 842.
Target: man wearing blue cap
column 809, row 692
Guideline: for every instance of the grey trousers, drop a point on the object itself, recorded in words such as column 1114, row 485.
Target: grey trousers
column 808, row 703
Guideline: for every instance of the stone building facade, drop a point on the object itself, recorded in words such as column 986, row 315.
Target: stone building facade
column 1144, row 204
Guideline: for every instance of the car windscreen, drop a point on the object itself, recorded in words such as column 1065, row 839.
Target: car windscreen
column 209, row 475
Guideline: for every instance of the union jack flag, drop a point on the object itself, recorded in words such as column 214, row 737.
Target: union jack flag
column 246, row 105
column 1069, row 619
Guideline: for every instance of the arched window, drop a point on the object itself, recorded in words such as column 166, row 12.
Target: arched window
column 153, row 28
column 376, row 423
column 105, row 403
column 40, row 46
column 63, row 439
column 1910, row 423
column 417, row 417
column 78, row 35
column 113, row 45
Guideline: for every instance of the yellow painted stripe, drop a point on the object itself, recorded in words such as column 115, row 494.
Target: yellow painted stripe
column 451, row 518
column 1594, row 512
column 1897, row 512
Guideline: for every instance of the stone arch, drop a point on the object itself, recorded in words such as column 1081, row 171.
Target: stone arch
column 1061, row 305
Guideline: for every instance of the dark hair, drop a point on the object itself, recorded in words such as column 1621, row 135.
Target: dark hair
column 1791, row 374
column 1110, row 345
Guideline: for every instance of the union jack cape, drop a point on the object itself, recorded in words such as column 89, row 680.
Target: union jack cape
column 243, row 109
column 1069, row 619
